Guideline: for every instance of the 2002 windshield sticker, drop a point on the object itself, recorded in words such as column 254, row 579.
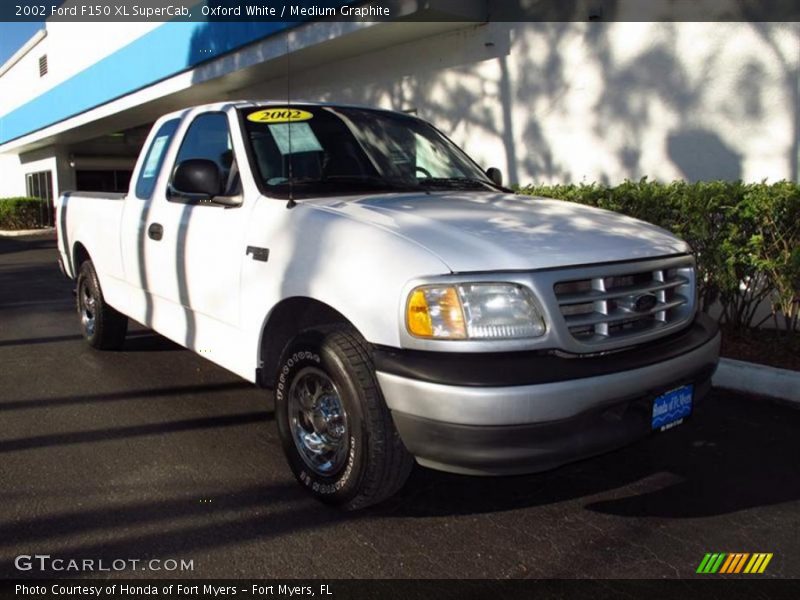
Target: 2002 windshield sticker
column 280, row 115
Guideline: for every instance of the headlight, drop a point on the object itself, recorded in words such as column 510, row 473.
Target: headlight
column 480, row 311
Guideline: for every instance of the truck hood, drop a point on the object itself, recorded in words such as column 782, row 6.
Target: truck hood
column 493, row 231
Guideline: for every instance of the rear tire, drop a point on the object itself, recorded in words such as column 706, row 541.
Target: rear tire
column 103, row 327
column 337, row 432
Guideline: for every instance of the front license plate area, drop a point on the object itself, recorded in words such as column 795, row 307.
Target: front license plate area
column 671, row 408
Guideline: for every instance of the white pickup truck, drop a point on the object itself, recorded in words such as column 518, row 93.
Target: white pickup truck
column 399, row 301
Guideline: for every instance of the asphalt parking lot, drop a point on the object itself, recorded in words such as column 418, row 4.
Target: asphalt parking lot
column 153, row 452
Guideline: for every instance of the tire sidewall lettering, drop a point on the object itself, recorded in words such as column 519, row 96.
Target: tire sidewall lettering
column 287, row 366
column 291, row 364
column 331, row 488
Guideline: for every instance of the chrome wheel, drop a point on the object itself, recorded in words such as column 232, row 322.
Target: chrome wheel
column 87, row 306
column 318, row 421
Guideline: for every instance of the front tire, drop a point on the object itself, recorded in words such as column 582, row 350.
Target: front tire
column 337, row 432
column 103, row 327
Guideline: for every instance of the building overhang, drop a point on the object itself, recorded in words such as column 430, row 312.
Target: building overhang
column 32, row 42
column 181, row 64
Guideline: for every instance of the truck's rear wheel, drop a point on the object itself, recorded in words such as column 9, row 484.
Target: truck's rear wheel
column 103, row 327
column 336, row 430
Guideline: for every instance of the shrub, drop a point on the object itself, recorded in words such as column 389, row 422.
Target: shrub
column 22, row 213
column 745, row 236
column 775, row 246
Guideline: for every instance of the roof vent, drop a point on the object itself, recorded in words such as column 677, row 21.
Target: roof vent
column 43, row 65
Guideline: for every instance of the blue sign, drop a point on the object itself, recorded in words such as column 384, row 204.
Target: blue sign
column 672, row 408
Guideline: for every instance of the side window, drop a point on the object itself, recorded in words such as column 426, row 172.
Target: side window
column 433, row 160
column 209, row 137
column 154, row 159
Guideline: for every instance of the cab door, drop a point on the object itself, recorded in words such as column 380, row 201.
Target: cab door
column 201, row 245
column 137, row 217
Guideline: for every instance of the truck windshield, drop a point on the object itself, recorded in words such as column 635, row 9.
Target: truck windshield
column 328, row 150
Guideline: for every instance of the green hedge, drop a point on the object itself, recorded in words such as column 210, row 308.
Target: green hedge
column 746, row 236
column 21, row 213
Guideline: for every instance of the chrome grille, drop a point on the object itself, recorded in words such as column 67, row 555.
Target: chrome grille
column 625, row 303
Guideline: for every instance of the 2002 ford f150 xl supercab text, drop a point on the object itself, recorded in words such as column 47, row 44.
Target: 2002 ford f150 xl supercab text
column 399, row 301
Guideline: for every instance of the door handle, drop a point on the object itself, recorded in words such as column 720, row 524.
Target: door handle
column 155, row 231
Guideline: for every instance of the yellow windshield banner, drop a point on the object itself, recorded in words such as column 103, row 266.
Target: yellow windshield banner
column 280, row 115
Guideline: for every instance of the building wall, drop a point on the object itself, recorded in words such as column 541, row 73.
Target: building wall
column 545, row 102
column 559, row 102
column 70, row 48
column 12, row 177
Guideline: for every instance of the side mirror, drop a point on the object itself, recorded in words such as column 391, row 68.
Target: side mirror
column 198, row 176
column 496, row 175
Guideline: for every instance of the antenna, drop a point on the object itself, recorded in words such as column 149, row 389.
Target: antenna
column 291, row 203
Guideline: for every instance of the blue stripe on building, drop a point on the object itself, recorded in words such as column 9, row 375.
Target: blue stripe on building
column 166, row 51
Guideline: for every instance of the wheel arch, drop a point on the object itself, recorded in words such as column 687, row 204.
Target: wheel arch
column 79, row 255
column 288, row 318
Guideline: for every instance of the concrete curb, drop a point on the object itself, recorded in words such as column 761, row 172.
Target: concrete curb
column 762, row 380
column 23, row 232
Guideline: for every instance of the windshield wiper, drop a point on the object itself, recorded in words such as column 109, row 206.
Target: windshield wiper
column 455, row 182
column 371, row 180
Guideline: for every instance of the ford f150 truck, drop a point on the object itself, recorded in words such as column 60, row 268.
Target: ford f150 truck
column 399, row 302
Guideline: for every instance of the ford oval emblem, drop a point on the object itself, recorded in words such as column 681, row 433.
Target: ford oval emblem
column 644, row 302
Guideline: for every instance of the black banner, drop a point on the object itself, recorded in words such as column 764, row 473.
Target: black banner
column 336, row 589
column 393, row 10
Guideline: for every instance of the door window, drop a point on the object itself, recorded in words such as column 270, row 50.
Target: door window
column 208, row 137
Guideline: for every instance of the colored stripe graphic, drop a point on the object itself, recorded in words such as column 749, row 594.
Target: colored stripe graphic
column 741, row 562
column 711, row 563
column 715, row 567
column 754, row 562
column 703, row 564
column 727, row 564
column 765, row 563
column 734, row 563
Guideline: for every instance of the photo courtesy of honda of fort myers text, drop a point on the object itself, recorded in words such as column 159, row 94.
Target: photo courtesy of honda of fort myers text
column 399, row 299
column 173, row 590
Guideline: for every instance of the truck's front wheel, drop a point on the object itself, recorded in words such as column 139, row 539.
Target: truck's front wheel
column 103, row 327
column 336, row 430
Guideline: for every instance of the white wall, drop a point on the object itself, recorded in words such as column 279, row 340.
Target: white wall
column 549, row 102
column 13, row 170
column 12, row 178
column 70, row 48
column 555, row 102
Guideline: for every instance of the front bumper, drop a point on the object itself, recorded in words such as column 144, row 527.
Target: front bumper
column 528, row 412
